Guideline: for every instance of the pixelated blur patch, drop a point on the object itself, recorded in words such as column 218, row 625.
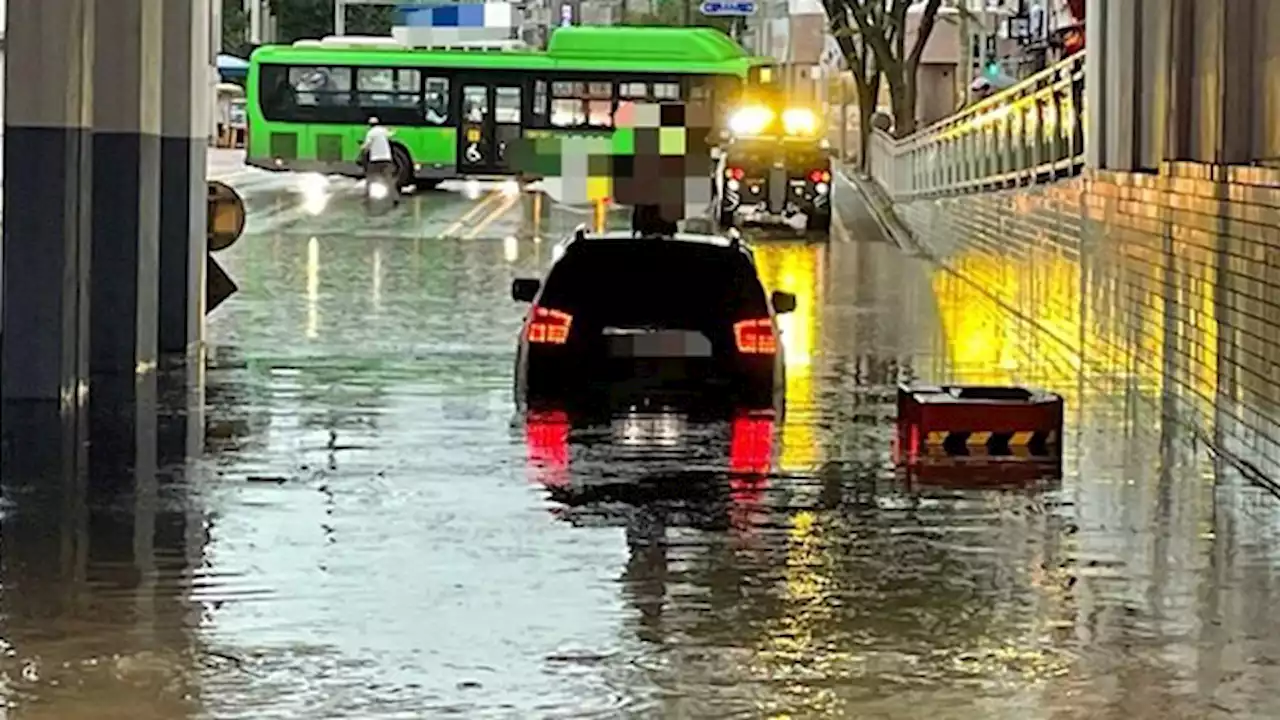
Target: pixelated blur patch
column 643, row 160
column 671, row 141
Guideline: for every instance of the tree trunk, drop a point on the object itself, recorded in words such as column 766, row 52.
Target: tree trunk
column 904, row 110
column 868, row 93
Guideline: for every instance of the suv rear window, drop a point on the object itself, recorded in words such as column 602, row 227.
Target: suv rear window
column 655, row 283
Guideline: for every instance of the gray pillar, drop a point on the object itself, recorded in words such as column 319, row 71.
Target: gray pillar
column 126, row 201
column 47, row 228
column 1121, row 56
column 1095, row 82
column 186, row 109
column 1239, row 72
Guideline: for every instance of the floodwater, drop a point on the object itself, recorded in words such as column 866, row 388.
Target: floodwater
column 371, row 533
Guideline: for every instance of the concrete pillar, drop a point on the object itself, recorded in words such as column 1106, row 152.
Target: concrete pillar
column 186, row 107
column 47, row 197
column 1239, row 73
column 1122, row 41
column 1095, row 82
column 126, row 185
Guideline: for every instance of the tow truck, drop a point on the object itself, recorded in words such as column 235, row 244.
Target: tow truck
column 774, row 165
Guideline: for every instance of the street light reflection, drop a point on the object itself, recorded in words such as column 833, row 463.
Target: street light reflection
column 315, row 193
column 313, row 288
column 511, row 248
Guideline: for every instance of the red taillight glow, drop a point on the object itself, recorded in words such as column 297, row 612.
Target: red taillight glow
column 751, row 445
column 750, row 459
column 755, row 337
column 549, row 326
column 547, row 440
column 818, row 176
column 735, row 173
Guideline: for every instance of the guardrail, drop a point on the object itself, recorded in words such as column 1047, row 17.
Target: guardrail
column 1031, row 133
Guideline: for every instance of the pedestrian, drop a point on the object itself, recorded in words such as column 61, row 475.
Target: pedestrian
column 379, row 162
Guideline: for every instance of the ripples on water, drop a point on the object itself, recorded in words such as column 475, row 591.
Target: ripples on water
column 373, row 535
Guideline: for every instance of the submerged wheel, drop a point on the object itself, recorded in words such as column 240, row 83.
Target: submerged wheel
column 404, row 166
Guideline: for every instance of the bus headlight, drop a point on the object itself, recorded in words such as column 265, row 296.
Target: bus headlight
column 750, row 120
column 799, row 121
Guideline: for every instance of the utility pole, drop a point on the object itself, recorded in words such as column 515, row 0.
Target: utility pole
column 253, row 8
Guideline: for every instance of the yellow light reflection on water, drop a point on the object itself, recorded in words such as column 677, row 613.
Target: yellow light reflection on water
column 1010, row 322
column 377, row 279
column 794, row 648
column 796, row 268
column 313, row 288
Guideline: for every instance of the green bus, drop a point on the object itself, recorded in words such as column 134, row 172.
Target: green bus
column 453, row 110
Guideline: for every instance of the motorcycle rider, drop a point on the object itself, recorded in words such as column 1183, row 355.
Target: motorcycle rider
column 379, row 162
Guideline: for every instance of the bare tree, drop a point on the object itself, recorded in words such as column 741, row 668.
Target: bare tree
column 861, row 61
column 878, row 29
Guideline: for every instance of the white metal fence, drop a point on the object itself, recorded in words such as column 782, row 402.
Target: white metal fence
column 1033, row 132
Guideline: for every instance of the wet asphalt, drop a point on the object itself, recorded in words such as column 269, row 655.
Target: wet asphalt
column 365, row 529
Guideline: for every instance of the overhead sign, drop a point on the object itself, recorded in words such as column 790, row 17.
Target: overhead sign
column 718, row 8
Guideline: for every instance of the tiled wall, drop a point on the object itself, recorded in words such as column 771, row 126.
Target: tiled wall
column 1165, row 284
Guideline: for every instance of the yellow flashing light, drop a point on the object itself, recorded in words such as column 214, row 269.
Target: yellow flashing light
column 799, row 121
column 751, row 120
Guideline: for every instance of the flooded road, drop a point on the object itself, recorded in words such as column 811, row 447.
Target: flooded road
column 371, row 532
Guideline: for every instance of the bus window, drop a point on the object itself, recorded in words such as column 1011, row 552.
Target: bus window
column 579, row 104
column 634, row 90
column 475, row 104
column 437, row 101
column 387, row 87
column 567, row 104
column 506, row 106
column 600, row 113
column 539, row 103
column 666, row 91
column 321, row 86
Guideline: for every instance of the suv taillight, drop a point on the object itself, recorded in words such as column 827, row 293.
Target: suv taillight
column 755, row 337
column 549, row 326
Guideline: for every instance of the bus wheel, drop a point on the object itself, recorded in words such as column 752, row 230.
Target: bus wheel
column 404, row 166
column 427, row 184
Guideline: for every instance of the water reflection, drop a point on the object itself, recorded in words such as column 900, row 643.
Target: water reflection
column 388, row 545
column 102, row 553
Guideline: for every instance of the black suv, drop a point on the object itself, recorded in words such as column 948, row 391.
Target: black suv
column 631, row 318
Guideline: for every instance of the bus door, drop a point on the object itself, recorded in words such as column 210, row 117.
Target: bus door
column 491, row 117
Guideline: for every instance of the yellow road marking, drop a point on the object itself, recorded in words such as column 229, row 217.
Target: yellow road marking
column 488, row 220
column 475, row 210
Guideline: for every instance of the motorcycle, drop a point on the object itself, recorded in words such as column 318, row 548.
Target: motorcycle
column 379, row 190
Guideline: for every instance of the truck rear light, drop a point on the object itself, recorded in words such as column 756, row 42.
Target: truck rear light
column 735, row 173
column 819, row 176
column 549, row 326
column 755, row 337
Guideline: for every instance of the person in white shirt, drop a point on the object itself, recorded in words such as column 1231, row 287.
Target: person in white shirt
column 379, row 162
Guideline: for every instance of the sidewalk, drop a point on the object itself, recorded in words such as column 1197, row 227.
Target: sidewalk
column 225, row 163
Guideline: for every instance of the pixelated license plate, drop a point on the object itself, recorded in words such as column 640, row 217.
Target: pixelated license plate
column 633, row 343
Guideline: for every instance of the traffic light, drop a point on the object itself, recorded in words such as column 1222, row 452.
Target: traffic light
column 992, row 69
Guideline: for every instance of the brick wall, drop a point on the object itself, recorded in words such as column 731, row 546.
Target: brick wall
column 1164, row 284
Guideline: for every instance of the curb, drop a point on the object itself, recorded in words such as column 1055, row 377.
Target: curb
column 880, row 207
